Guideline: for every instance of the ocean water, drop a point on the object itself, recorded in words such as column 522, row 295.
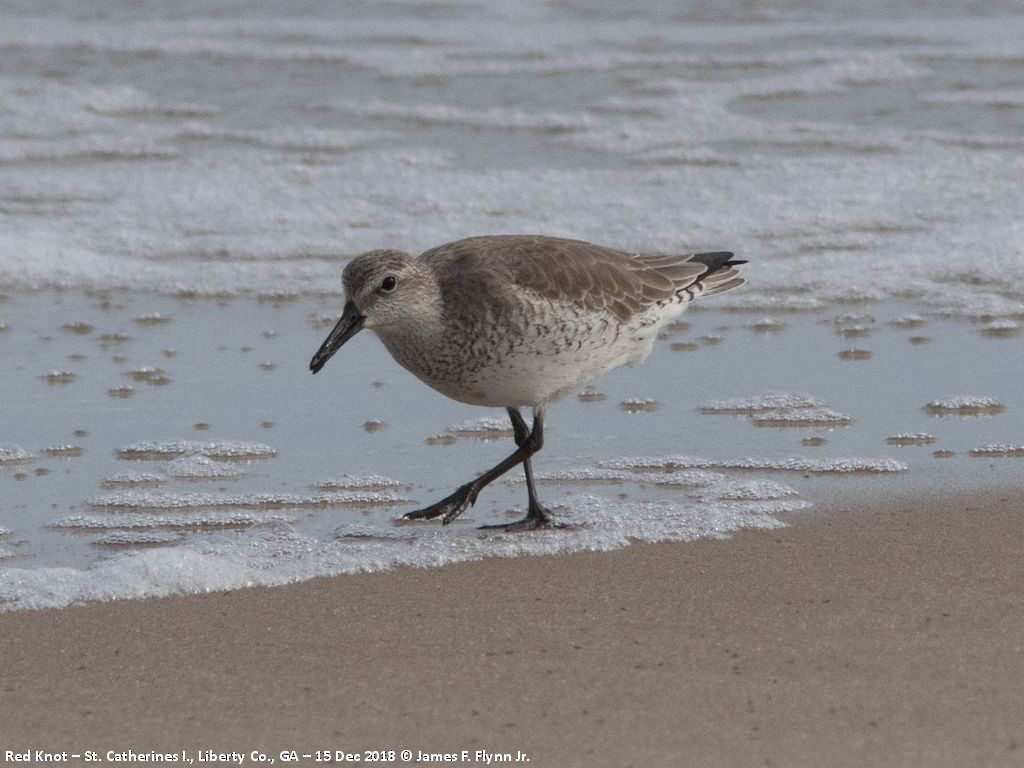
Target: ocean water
column 182, row 183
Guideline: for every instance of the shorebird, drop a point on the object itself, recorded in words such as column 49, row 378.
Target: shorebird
column 513, row 321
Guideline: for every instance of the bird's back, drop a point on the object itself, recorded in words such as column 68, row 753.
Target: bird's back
column 590, row 277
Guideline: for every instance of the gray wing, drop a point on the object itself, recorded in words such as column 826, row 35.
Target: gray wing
column 591, row 276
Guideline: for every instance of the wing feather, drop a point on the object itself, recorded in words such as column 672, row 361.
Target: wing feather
column 589, row 276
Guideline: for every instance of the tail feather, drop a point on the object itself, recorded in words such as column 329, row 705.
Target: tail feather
column 711, row 288
column 698, row 274
column 721, row 275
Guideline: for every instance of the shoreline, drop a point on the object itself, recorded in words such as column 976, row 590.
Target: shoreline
column 886, row 634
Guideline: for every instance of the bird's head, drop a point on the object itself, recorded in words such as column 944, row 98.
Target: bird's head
column 384, row 291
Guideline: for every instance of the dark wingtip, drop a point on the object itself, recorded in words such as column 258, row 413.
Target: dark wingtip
column 716, row 260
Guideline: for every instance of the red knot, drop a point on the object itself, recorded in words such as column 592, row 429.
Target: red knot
column 518, row 320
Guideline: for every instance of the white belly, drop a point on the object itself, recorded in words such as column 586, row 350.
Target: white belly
column 534, row 366
column 541, row 373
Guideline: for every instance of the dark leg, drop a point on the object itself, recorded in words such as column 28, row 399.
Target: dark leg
column 528, row 442
column 519, row 429
column 536, row 516
column 537, row 511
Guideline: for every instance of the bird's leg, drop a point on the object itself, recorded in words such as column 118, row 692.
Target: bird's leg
column 537, row 516
column 519, row 429
column 465, row 495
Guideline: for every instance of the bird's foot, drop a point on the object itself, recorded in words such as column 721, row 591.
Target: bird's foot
column 538, row 517
column 447, row 508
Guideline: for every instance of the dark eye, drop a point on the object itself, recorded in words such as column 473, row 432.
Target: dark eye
column 389, row 284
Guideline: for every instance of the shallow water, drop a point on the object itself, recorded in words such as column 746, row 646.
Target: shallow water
column 181, row 183
column 233, row 472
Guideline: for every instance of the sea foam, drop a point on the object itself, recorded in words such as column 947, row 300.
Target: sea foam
column 279, row 554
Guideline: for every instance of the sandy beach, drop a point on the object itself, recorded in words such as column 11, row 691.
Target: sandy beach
column 885, row 635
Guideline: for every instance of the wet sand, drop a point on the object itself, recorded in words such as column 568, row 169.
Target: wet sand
column 886, row 635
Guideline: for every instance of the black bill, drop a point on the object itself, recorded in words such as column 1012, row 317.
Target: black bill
column 349, row 325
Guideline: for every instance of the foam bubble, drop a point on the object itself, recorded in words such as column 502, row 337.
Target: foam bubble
column 770, row 401
column 136, row 500
column 586, row 476
column 193, row 521
column 755, row 490
column 229, row 450
column 999, row 449
column 359, row 483
column 780, row 409
column 686, row 479
column 200, row 467
column 67, row 451
column 965, row 405
column 121, row 479
column 138, row 538
column 485, row 428
column 847, row 465
column 149, row 374
column 639, row 405
column 911, row 438
column 59, row 377
column 363, row 532
column 12, row 454
column 591, row 395
column 909, row 320
column 801, row 417
column 599, row 475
